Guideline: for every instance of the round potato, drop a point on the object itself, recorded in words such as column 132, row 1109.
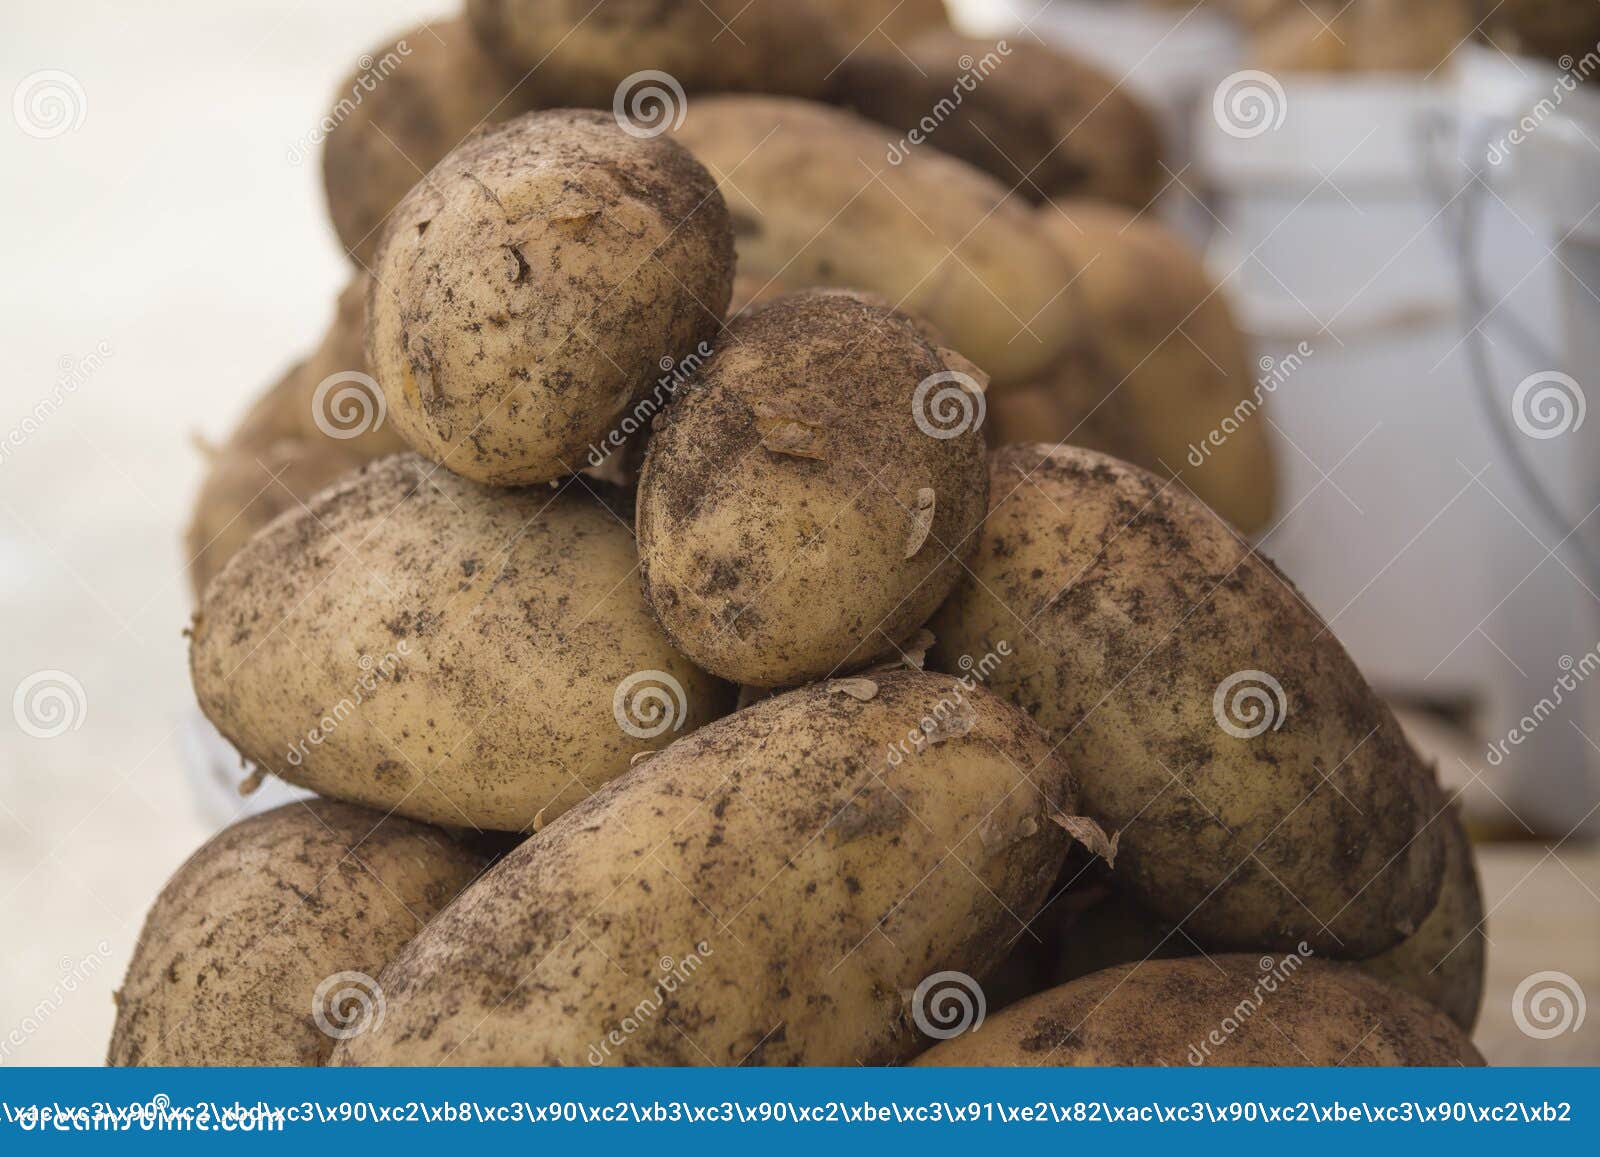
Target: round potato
column 606, row 53
column 807, row 504
column 263, row 947
column 1163, row 377
column 530, row 291
column 409, row 103
column 773, row 889
column 1044, row 122
column 416, row 642
column 816, row 202
column 1264, row 795
column 1226, row 1010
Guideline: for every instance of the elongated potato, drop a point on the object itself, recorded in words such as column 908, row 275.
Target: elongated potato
column 409, row 103
column 585, row 52
column 1163, row 377
column 772, row 889
column 1226, row 1010
column 815, row 201
column 529, row 292
column 263, row 947
column 1264, row 794
column 1045, row 122
column 458, row 654
column 805, row 506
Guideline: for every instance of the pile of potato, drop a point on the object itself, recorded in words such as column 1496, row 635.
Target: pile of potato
column 720, row 637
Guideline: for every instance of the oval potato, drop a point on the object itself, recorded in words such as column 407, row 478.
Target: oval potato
column 264, row 945
column 1263, row 793
column 458, row 654
column 804, row 507
column 1226, row 1010
column 769, row 890
column 532, row 288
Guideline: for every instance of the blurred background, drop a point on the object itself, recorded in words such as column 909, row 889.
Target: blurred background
column 1399, row 197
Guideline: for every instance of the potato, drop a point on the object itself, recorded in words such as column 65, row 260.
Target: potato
column 878, row 25
column 815, row 202
column 1263, row 793
column 262, row 948
column 1228, row 1010
column 410, row 103
column 592, row 52
column 419, row 643
column 1442, row 962
column 339, row 401
column 1045, row 122
column 526, row 294
column 769, row 890
column 806, row 505
column 1164, row 377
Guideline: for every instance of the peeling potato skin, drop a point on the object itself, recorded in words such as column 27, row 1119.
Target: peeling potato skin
column 411, row 113
column 1314, row 1014
column 772, row 568
column 529, row 292
column 519, row 618
column 806, row 207
column 580, row 51
column 1041, row 120
column 228, row 964
column 1163, row 362
column 1128, row 604
column 823, row 880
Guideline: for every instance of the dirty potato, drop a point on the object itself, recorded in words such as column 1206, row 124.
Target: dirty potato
column 416, row 642
column 1263, row 793
column 772, row 889
column 804, row 507
column 530, row 290
column 264, row 945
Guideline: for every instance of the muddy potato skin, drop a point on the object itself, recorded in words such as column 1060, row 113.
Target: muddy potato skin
column 769, row 561
column 1302, row 1012
column 533, row 288
column 395, row 119
column 1041, row 120
column 799, row 179
column 1161, row 364
column 582, row 51
column 227, row 968
column 1140, row 624
column 466, row 643
column 778, row 847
